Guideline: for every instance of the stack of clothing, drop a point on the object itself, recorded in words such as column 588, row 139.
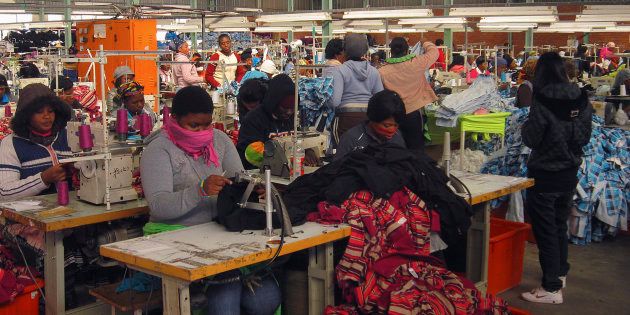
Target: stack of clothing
column 387, row 269
column 483, row 93
column 314, row 93
column 603, row 191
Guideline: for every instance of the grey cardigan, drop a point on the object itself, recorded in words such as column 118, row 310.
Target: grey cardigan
column 171, row 178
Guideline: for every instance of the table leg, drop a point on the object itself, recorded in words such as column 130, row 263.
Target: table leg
column 320, row 278
column 175, row 296
column 54, row 275
column 478, row 246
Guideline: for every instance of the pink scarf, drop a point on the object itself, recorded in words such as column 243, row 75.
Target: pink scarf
column 194, row 143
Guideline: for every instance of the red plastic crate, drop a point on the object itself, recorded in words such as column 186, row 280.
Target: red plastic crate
column 507, row 250
column 518, row 311
column 26, row 303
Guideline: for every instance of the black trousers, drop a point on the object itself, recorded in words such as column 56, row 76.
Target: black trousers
column 548, row 213
column 412, row 129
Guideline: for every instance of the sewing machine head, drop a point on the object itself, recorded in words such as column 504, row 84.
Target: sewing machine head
column 316, row 141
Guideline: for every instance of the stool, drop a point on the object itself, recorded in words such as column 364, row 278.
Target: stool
column 493, row 123
column 127, row 301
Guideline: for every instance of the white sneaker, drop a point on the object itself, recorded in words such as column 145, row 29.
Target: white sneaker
column 564, row 281
column 540, row 295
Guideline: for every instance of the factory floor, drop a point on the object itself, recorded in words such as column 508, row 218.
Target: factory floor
column 598, row 283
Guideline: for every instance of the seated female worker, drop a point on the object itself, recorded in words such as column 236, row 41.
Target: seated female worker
column 385, row 112
column 29, row 157
column 132, row 96
column 182, row 170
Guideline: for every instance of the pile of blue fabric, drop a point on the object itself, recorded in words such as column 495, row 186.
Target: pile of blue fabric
column 603, row 192
column 314, row 94
column 240, row 40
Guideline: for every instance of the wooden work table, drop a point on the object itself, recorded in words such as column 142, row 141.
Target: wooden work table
column 182, row 256
column 54, row 220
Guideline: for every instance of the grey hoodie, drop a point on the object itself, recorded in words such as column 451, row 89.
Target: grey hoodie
column 354, row 82
column 171, row 178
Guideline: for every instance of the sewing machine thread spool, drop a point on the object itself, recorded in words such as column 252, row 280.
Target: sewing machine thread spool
column 122, row 124
column 145, row 124
column 7, row 111
column 63, row 197
column 85, row 138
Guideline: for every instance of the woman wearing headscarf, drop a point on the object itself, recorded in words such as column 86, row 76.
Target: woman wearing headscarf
column 132, row 96
column 183, row 169
column 185, row 74
column 29, row 158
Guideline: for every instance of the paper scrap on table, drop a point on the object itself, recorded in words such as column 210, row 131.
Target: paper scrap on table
column 23, row 205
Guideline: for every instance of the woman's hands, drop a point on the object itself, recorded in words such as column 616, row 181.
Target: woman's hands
column 213, row 184
column 53, row 174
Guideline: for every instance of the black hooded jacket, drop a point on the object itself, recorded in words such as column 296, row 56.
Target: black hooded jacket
column 260, row 122
column 559, row 125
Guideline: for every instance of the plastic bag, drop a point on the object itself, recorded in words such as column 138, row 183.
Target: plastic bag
column 621, row 118
column 515, row 211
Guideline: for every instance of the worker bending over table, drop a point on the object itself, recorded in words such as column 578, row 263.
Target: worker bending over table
column 29, row 157
column 183, row 170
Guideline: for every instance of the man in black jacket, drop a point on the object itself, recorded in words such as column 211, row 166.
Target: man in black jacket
column 559, row 125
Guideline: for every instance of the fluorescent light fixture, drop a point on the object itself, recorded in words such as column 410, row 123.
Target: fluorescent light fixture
column 581, row 24
column 231, row 29
column 366, row 23
column 613, row 29
column 407, row 30
column 561, row 30
column 272, row 29
column 92, row 3
column 12, row 11
column 507, row 25
column 382, row 14
column 314, row 16
column 619, row 17
column 87, row 13
column 178, row 27
column 7, row 1
column 516, row 19
column 606, row 9
column 519, row 10
column 55, row 17
column 248, row 10
column 437, row 20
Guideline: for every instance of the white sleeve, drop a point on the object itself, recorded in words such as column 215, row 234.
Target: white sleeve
column 11, row 186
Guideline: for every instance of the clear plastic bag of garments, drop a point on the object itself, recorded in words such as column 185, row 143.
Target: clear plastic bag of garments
column 483, row 93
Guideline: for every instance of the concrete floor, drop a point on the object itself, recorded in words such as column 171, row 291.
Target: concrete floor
column 598, row 282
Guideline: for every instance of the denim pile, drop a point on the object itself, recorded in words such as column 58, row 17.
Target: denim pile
column 483, row 93
column 314, row 94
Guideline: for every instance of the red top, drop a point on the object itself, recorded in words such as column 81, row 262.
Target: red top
column 240, row 70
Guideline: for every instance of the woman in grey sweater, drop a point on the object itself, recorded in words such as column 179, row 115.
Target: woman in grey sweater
column 183, row 169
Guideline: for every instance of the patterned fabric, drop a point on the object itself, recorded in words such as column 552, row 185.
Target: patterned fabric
column 314, row 93
column 386, row 267
column 129, row 89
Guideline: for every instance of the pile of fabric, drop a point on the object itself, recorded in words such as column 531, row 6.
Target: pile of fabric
column 473, row 160
column 603, row 192
column 14, row 276
column 5, row 127
column 314, row 93
column 483, row 93
column 387, row 269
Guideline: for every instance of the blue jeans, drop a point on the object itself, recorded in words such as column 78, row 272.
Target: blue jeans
column 235, row 299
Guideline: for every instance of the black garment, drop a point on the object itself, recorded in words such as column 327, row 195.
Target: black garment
column 361, row 136
column 524, row 95
column 260, row 122
column 549, row 213
column 412, row 129
column 383, row 170
column 558, row 126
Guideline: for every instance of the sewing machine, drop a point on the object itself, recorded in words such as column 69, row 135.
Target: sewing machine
column 21, row 83
column 92, row 172
column 279, row 150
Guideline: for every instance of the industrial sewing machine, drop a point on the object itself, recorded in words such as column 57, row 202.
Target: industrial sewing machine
column 92, row 172
column 279, row 150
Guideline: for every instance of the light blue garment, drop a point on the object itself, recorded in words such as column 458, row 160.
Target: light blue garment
column 354, row 82
column 5, row 99
column 254, row 74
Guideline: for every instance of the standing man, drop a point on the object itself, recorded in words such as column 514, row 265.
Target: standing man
column 215, row 74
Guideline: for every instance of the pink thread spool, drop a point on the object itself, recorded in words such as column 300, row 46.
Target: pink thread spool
column 7, row 111
column 85, row 138
column 63, row 197
column 166, row 115
column 145, row 124
column 122, row 124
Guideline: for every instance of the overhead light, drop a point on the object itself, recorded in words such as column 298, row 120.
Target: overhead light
column 7, row 1
column 272, row 29
column 507, row 25
column 12, row 11
column 604, row 18
column 231, row 29
column 606, row 9
column 437, row 20
column 366, row 23
column 178, row 27
column 290, row 24
column 227, row 20
column 561, row 30
column 315, row 16
column 581, row 25
column 487, row 11
column 408, row 30
column 255, row 10
column 525, row 19
column 87, row 13
column 381, row 14
column 92, row 3
column 613, row 29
